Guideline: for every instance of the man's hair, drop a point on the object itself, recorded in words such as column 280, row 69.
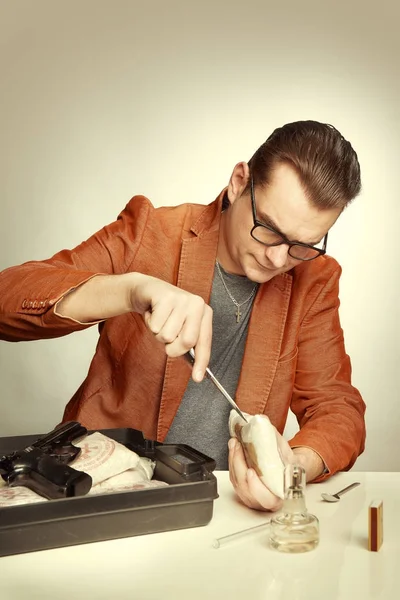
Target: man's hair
column 325, row 162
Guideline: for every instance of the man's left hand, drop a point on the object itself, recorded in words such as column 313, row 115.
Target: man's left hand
column 248, row 486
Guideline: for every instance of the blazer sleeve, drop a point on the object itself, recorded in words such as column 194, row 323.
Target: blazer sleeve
column 329, row 409
column 29, row 292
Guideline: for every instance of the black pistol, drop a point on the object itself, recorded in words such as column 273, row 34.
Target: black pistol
column 43, row 466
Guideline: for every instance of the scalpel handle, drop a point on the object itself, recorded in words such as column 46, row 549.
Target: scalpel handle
column 220, row 387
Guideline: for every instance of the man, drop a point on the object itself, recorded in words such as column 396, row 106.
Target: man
column 257, row 257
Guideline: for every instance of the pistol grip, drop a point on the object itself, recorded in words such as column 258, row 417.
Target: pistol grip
column 50, row 478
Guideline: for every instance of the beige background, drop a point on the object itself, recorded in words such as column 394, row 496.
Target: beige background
column 103, row 100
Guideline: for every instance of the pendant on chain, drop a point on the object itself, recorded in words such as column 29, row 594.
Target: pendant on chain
column 238, row 314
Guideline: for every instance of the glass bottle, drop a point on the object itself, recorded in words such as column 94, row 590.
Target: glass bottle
column 294, row 529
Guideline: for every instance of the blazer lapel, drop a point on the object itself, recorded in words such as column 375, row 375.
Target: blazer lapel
column 196, row 271
column 263, row 345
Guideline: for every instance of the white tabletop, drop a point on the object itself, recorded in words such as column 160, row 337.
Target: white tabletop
column 184, row 565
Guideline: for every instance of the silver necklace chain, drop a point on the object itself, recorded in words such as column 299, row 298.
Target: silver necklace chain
column 235, row 302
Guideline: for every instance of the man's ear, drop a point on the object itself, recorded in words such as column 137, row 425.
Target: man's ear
column 238, row 181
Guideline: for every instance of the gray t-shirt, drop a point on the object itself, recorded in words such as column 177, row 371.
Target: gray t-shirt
column 202, row 418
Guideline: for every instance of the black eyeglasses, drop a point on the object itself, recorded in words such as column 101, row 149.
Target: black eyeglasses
column 267, row 235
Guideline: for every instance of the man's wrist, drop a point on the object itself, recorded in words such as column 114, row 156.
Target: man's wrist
column 100, row 297
column 135, row 292
column 310, row 460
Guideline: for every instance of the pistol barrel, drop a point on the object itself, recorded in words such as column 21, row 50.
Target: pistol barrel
column 67, row 432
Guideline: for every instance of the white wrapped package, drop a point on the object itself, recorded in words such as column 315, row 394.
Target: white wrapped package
column 102, row 458
column 146, row 466
column 259, row 442
column 142, row 473
column 128, row 481
column 13, row 496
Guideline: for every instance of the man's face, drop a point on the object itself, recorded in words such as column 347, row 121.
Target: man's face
column 283, row 204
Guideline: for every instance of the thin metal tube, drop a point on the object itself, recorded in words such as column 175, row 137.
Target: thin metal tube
column 220, row 388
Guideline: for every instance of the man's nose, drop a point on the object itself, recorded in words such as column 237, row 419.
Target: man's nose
column 277, row 255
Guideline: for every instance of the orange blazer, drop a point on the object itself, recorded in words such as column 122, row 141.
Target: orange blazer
column 294, row 356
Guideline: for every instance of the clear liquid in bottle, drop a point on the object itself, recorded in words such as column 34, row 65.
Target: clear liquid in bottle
column 294, row 529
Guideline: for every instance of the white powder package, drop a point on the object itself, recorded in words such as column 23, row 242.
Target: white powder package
column 128, row 480
column 14, row 496
column 260, row 446
column 146, row 466
column 102, row 457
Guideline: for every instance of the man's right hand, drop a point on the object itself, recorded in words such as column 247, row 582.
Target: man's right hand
column 178, row 319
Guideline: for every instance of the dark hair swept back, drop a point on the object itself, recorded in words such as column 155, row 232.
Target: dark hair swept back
column 324, row 160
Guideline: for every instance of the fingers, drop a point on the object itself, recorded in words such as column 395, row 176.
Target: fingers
column 184, row 328
column 156, row 318
column 248, row 486
column 238, row 471
column 181, row 321
column 239, row 466
column 258, row 491
column 203, row 345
